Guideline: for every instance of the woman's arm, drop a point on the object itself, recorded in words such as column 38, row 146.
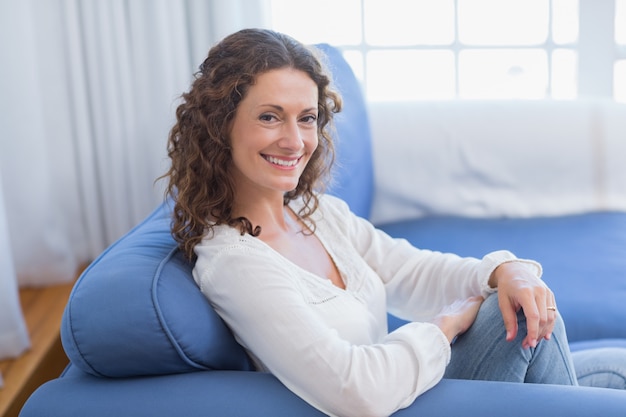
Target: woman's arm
column 420, row 282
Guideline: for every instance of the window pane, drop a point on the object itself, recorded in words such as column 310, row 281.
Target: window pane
column 619, row 81
column 564, row 21
column 409, row 22
column 564, row 74
column 620, row 22
column 503, row 73
column 410, row 75
column 503, row 22
column 312, row 23
column 355, row 60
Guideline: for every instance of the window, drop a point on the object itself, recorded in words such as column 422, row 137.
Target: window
column 470, row 49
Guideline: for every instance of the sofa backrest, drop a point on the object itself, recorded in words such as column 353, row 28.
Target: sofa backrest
column 136, row 309
column 353, row 173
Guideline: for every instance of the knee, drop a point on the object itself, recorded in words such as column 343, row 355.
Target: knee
column 490, row 307
column 490, row 313
column 489, row 320
column 559, row 325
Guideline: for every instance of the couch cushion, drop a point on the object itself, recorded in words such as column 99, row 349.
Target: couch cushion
column 237, row 394
column 137, row 311
column 582, row 257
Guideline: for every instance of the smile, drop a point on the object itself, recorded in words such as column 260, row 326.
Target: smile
column 282, row 162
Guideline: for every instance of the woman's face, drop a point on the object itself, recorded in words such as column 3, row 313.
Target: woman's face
column 274, row 133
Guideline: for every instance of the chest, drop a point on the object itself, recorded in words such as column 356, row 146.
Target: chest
column 305, row 250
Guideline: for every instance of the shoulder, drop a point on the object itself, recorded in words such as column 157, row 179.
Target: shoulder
column 221, row 238
column 225, row 247
column 336, row 213
column 331, row 208
column 330, row 202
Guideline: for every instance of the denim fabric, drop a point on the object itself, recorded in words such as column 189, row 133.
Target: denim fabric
column 483, row 353
column 601, row 367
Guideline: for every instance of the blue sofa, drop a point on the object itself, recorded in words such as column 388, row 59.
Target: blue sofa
column 143, row 341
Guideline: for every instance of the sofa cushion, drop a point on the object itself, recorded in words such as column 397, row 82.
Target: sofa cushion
column 137, row 311
column 237, row 394
column 582, row 256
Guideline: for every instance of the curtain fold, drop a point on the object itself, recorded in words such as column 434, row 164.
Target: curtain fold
column 13, row 335
column 88, row 94
column 40, row 246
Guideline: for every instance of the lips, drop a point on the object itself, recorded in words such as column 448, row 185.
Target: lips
column 287, row 163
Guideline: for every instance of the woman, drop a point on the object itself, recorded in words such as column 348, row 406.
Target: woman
column 302, row 282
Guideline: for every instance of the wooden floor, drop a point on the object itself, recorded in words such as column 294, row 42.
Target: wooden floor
column 43, row 309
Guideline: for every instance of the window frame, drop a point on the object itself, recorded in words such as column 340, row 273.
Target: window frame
column 596, row 50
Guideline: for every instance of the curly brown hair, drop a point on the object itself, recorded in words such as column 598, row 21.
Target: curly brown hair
column 199, row 143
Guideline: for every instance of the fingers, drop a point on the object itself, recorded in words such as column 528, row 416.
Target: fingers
column 509, row 316
column 457, row 317
column 520, row 287
column 536, row 317
column 552, row 314
column 533, row 320
column 546, row 306
column 539, row 319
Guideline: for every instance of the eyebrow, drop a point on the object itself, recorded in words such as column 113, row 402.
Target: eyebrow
column 280, row 108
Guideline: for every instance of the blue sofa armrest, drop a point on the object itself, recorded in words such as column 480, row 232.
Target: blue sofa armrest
column 255, row 394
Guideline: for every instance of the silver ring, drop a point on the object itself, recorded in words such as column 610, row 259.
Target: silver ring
column 551, row 308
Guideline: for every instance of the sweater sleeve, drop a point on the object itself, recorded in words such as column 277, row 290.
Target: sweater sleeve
column 420, row 282
column 269, row 316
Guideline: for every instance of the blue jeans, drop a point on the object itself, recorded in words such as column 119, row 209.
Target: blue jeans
column 483, row 353
column 602, row 367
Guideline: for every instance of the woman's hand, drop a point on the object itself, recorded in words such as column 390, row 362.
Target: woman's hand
column 520, row 287
column 458, row 317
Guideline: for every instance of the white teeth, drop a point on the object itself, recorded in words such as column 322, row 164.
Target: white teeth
column 282, row 162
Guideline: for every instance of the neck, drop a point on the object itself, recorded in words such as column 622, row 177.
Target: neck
column 270, row 214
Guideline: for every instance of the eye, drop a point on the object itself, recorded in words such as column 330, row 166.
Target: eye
column 267, row 117
column 309, row 118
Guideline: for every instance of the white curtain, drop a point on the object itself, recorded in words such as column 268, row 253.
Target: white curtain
column 88, row 94
column 13, row 334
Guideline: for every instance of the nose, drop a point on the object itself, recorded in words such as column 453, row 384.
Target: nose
column 292, row 137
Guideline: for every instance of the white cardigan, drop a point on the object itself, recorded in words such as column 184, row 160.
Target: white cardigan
column 328, row 345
